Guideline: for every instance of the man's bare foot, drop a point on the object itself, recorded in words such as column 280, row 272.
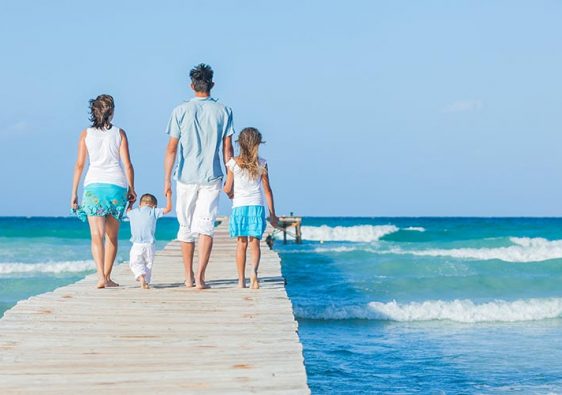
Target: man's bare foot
column 189, row 280
column 100, row 284
column 109, row 283
column 201, row 285
column 145, row 285
column 254, row 282
column 242, row 283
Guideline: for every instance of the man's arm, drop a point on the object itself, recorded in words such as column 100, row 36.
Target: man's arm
column 227, row 149
column 229, row 184
column 169, row 160
column 168, row 207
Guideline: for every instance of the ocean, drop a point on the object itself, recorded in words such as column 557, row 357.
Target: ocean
column 385, row 305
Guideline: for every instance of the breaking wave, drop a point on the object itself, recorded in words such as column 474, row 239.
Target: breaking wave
column 46, row 267
column 457, row 310
column 524, row 249
column 360, row 233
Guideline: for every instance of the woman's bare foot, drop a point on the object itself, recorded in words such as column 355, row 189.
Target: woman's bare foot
column 254, row 282
column 109, row 283
column 242, row 283
column 145, row 285
column 100, row 284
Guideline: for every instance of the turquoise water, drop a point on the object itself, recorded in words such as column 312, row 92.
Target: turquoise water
column 429, row 305
column 385, row 305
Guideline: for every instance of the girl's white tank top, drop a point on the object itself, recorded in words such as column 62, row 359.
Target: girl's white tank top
column 104, row 153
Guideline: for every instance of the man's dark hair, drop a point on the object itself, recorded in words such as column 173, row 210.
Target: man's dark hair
column 202, row 77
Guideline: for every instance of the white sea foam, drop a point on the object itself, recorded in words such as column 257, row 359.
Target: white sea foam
column 456, row 310
column 336, row 249
column 415, row 228
column 359, row 233
column 524, row 249
column 46, row 267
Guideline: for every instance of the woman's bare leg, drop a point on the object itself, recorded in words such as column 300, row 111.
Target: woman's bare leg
column 111, row 244
column 97, row 232
column 241, row 247
column 255, row 253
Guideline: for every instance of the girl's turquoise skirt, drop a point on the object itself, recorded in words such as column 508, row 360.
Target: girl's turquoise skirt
column 100, row 200
column 247, row 221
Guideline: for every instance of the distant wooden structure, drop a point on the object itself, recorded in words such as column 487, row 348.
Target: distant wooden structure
column 286, row 223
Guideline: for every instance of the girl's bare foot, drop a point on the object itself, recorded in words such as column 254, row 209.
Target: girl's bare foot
column 109, row 283
column 254, row 282
column 242, row 283
column 100, row 284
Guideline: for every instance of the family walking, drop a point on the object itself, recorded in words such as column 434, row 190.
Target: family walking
column 200, row 132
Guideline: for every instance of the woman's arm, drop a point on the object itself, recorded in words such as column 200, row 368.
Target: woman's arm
column 229, row 184
column 269, row 198
column 78, row 169
column 129, row 170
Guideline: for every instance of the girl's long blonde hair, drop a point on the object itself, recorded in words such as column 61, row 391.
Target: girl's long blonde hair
column 249, row 141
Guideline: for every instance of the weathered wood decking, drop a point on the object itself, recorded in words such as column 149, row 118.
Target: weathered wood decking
column 168, row 339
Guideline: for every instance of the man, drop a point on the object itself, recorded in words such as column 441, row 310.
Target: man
column 197, row 129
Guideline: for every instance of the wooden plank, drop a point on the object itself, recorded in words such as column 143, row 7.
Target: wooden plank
column 168, row 339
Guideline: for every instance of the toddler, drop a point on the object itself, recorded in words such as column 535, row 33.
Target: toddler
column 143, row 226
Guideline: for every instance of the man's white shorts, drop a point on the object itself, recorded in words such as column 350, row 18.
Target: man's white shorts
column 196, row 207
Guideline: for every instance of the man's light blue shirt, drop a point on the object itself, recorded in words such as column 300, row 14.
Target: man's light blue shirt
column 143, row 223
column 200, row 124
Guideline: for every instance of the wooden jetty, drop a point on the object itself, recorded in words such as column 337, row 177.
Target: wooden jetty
column 287, row 225
column 168, row 339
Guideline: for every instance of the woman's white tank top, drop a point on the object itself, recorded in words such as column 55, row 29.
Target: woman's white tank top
column 104, row 152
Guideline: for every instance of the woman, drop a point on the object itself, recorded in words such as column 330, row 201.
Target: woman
column 107, row 187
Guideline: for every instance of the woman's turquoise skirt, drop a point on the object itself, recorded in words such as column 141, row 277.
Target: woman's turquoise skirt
column 247, row 221
column 100, row 200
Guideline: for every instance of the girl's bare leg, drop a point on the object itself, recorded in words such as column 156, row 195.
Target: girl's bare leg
column 241, row 247
column 255, row 253
column 111, row 243
column 97, row 232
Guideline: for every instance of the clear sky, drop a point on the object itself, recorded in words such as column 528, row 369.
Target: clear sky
column 368, row 107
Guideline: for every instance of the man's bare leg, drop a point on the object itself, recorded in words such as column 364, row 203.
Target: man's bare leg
column 205, row 247
column 187, row 249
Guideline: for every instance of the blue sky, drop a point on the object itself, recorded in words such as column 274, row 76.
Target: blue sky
column 368, row 107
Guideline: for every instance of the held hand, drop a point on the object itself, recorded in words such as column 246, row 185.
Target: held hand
column 167, row 188
column 74, row 202
column 274, row 220
column 131, row 196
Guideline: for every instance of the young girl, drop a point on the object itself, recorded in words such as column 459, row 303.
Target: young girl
column 246, row 181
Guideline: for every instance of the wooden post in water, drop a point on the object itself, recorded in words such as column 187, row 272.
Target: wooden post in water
column 286, row 222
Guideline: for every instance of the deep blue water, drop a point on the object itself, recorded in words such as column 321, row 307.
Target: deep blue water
column 385, row 305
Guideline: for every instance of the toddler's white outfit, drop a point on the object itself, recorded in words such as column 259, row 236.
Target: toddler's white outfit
column 143, row 226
